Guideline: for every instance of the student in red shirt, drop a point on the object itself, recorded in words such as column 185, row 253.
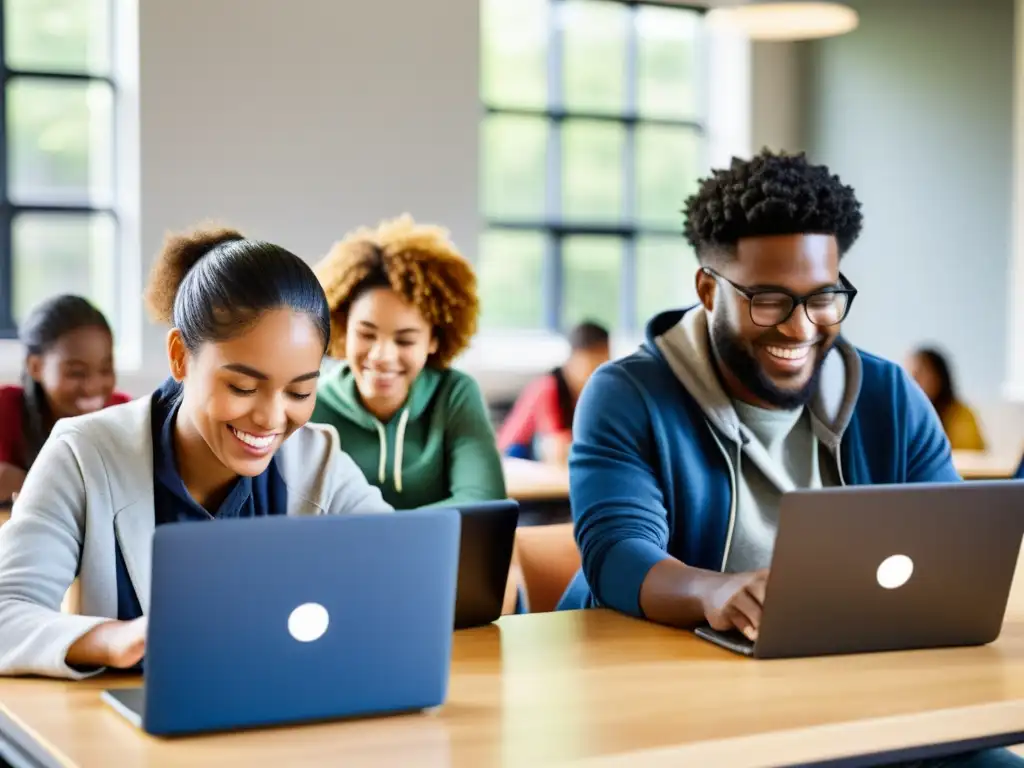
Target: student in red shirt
column 69, row 370
column 540, row 424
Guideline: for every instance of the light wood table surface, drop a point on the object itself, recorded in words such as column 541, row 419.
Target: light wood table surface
column 592, row 688
column 986, row 465
column 527, row 480
column 532, row 480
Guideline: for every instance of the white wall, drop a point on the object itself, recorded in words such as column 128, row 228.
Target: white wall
column 776, row 96
column 298, row 121
column 1015, row 362
column 914, row 109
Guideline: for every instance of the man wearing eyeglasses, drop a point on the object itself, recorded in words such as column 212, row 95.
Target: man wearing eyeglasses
column 683, row 450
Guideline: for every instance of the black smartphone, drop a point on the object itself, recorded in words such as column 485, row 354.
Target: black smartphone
column 733, row 640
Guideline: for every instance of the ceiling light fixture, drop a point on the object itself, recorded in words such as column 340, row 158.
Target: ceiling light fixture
column 779, row 21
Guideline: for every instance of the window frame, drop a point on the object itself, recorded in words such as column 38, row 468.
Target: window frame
column 552, row 226
column 10, row 210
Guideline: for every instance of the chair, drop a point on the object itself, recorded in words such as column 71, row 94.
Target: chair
column 548, row 558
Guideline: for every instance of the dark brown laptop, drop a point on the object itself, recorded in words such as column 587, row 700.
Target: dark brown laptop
column 886, row 568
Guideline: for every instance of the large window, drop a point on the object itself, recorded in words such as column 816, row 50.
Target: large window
column 592, row 139
column 58, row 227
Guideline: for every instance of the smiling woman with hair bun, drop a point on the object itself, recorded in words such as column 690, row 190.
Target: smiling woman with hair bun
column 226, row 436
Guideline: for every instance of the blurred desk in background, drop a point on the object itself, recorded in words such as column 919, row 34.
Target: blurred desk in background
column 527, row 480
column 986, row 465
column 542, row 491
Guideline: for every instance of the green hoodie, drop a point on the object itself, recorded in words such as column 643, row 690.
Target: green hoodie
column 438, row 449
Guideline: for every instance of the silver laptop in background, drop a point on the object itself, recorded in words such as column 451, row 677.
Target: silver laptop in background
column 888, row 567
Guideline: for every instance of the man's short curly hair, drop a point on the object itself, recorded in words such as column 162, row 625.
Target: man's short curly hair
column 771, row 194
column 418, row 262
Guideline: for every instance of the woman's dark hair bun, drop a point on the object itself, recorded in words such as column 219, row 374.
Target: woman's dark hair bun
column 180, row 253
column 213, row 283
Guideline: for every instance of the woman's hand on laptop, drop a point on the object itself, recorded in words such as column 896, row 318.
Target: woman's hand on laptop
column 735, row 602
column 117, row 644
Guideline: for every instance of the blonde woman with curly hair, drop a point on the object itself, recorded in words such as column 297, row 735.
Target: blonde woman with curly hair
column 403, row 306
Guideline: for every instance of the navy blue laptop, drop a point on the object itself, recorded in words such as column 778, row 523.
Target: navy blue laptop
column 274, row 620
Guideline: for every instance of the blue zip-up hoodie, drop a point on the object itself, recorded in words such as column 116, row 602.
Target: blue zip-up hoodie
column 657, row 449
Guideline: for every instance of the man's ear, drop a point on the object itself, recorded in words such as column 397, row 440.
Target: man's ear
column 177, row 355
column 707, row 287
column 434, row 343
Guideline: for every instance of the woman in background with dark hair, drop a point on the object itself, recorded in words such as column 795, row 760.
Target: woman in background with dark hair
column 931, row 371
column 224, row 437
column 69, row 371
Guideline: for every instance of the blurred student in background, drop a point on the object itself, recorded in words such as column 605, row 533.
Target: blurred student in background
column 540, row 424
column 932, row 372
column 404, row 305
column 69, row 370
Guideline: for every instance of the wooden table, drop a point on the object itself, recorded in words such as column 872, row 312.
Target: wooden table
column 986, row 465
column 527, row 480
column 532, row 480
column 590, row 688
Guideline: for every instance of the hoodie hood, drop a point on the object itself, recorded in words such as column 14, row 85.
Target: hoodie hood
column 681, row 339
column 338, row 392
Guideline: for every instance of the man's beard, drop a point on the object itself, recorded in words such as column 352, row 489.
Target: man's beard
column 748, row 371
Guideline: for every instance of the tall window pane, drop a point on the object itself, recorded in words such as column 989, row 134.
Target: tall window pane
column 64, row 253
column 667, row 62
column 591, row 141
column 592, row 275
column 595, row 36
column 58, row 35
column 61, row 141
column 666, row 273
column 513, row 166
column 58, row 155
column 510, row 272
column 513, row 62
column 592, row 170
column 666, row 173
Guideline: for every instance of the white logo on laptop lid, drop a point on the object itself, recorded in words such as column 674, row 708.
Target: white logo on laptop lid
column 895, row 571
column 308, row 622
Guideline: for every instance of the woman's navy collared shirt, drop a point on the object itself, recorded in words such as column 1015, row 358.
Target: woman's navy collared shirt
column 265, row 494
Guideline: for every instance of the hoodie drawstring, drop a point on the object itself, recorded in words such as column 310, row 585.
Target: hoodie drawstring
column 399, row 446
column 382, row 464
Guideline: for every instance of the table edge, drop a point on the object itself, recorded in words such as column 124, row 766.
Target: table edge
column 963, row 728
column 981, row 725
column 30, row 749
